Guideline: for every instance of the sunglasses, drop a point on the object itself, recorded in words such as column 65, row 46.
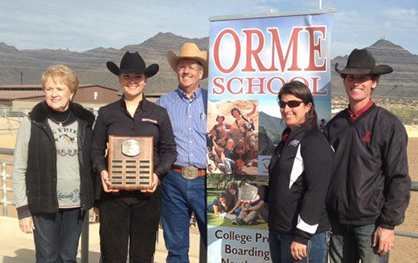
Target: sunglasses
column 290, row 103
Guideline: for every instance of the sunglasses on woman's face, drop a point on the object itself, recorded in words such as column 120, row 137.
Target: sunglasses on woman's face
column 290, row 103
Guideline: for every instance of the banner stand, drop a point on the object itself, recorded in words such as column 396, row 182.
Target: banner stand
column 250, row 58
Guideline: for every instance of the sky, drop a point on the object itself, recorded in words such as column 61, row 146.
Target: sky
column 80, row 25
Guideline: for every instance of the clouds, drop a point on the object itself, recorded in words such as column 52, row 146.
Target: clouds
column 81, row 25
column 400, row 20
column 401, row 27
column 350, row 27
column 361, row 25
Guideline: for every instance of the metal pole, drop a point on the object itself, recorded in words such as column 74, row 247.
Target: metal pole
column 85, row 239
column 319, row 4
column 414, row 186
column 202, row 252
column 4, row 175
column 406, row 234
column 6, row 151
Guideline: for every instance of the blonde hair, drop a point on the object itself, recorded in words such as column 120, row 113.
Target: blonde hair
column 61, row 73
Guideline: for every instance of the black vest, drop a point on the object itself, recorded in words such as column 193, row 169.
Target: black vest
column 41, row 173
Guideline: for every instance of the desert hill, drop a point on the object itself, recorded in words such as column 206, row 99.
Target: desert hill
column 402, row 83
column 91, row 65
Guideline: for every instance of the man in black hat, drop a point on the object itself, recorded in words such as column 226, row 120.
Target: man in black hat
column 369, row 190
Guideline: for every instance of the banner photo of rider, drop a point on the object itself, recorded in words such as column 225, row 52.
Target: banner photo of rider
column 233, row 138
column 250, row 59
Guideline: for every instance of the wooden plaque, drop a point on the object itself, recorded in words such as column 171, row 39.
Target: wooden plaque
column 131, row 162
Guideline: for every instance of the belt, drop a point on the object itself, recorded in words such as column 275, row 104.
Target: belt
column 185, row 170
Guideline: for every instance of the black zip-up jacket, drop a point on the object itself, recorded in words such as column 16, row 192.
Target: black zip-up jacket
column 299, row 173
column 149, row 120
column 370, row 182
column 41, row 173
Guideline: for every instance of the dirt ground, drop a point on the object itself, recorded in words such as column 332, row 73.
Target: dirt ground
column 405, row 250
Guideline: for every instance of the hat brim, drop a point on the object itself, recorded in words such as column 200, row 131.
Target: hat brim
column 173, row 59
column 112, row 67
column 377, row 70
column 148, row 72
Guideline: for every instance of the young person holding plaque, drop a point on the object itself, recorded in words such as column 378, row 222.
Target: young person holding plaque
column 129, row 219
column 52, row 177
column 299, row 174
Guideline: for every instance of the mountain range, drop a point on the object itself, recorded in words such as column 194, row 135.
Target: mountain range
column 402, row 83
column 269, row 134
column 28, row 65
column 90, row 65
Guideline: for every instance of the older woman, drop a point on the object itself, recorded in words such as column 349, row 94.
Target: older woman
column 52, row 178
column 132, row 217
column 299, row 173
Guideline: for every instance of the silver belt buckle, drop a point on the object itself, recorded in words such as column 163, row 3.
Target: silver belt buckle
column 189, row 172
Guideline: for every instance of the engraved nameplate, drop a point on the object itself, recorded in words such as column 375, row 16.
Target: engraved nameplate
column 131, row 162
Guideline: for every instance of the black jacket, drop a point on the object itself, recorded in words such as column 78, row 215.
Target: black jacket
column 299, row 173
column 370, row 182
column 149, row 120
column 41, row 174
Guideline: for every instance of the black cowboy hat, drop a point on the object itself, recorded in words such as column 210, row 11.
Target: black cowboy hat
column 361, row 62
column 132, row 63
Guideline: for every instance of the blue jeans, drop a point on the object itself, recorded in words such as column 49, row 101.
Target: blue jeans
column 354, row 243
column 56, row 235
column 317, row 248
column 181, row 197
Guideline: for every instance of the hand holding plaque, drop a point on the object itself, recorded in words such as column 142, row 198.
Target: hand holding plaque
column 131, row 162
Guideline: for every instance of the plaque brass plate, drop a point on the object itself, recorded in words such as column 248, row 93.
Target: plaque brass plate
column 131, row 162
column 248, row 193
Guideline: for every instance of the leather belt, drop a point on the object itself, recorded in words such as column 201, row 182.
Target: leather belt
column 189, row 172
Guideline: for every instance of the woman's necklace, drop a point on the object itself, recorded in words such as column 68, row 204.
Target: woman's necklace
column 60, row 122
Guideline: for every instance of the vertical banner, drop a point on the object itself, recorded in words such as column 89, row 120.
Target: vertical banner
column 250, row 59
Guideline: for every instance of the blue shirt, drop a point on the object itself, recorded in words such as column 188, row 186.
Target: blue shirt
column 188, row 118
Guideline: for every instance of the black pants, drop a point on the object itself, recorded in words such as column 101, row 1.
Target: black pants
column 129, row 220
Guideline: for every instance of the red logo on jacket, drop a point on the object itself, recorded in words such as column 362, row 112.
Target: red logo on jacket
column 367, row 136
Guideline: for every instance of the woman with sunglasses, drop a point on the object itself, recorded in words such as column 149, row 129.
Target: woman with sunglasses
column 299, row 173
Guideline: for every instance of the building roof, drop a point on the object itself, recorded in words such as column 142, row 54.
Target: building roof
column 21, row 86
column 13, row 92
column 20, row 94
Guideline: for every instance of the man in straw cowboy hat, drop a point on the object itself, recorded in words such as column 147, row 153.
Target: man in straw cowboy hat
column 369, row 190
column 184, row 187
